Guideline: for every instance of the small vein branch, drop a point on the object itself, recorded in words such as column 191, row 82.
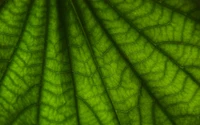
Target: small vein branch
column 165, row 5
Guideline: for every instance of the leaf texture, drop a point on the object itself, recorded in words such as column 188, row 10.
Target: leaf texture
column 99, row 62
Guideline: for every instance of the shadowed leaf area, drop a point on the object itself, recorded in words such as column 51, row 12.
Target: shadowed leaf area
column 99, row 62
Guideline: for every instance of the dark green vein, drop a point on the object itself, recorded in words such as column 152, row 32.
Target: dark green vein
column 153, row 113
column 150, row 41
column 18, row 42
column 90, row 108
column 123, row 55
column 14, row 117
column 2, row 4
column 163, row 4
column 39, row 98
column 138, row 104
column 61, row 10
column 178, row 43
column 80, row 20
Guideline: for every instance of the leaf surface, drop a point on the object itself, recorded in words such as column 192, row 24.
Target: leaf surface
column 99, row 62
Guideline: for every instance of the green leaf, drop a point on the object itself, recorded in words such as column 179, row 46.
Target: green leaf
column 99, row 62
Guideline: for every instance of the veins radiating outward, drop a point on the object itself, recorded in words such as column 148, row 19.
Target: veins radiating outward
column 156, row 47
column 80, row 18
column 142, row 81
column 149, row 40
column 61, row 8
